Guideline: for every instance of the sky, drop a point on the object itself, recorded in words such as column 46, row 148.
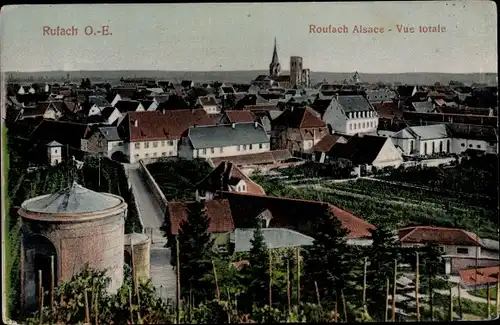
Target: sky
column 228, row 37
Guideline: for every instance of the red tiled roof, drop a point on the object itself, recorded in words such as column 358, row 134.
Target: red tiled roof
column 164, row 125
column 327, row 142
column 228, row 174
column 486, row 275
column 291, row 213
column 269, row 157
column 240, row 116
column 217, row 210
column 444, row 236
column 388, row 110
column 299, row 118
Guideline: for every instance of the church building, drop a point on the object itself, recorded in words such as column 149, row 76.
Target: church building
column 298, row 78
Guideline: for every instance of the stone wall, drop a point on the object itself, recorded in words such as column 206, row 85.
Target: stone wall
column 463, row 263
column 153, row 186
column 97, row 243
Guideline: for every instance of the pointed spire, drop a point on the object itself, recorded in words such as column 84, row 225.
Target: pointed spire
column 275, row 59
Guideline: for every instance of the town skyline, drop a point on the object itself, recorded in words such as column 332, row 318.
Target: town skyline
column 178, row 44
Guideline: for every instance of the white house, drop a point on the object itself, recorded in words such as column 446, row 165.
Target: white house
column 476, row 137
column 97, row 104
column 111, row 115
column 116, row 99
column 54, row 153
column 224, row 140
column 351, row 114
column 25, row 90
column 209, row 104
column 423, row 140
column 454, row 243
column 152, row 135
column 104, row 140
column 367, row 150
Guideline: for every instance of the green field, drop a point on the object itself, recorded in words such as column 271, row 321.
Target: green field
column 395, row 206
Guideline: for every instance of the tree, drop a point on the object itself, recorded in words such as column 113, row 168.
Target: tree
column 195, row 247
column 381, row 255
column 228, row 102
column 256, row 275
column 327, row 261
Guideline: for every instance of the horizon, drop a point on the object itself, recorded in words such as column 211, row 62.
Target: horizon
column 441, row 37
column 250, row 70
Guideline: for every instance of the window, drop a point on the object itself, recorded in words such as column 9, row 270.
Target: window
column 146, row 145
column 425, row 148
column 221, row 150
column 163, row 153
column 170, row 153
column 146, row 155
column 99, row 143
column 120, row 144
column 448, row 146
column 363, row 125
column 354, row 126
column 411, row 146
column 136, row 155
column 155, row 144
column 243, row 188
column 479, row 146
column 250, row 147
column 237, row 148
column 163, row 143
column 244, row 147
column 170, row 143
column 461, row 250
column 470, row 145
column 462, row 144
column 359, row 125
column 137, row 145
column 350, row 126
column 441, row 249
column 440, row 146
column 260, row 145
column 55, row 151
column 154, row 154
column 212, row 150
column 204, row 151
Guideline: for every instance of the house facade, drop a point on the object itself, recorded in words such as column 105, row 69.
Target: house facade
column 351, row 114
column 209, row 104
column 152, row 135
column 423, row 140
column 297, row 130
column 104, row 140
column 224, row 140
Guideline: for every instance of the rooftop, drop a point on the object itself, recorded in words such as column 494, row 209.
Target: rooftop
column 74, row 199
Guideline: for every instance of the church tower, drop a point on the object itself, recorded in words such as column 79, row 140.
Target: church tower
column 274, row 67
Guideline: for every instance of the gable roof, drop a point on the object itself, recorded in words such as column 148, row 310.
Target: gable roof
column 268, row 157
column 359, row 150
column 225, row 175
column 429, row 132
column 207, row 100
column 298, row 118
column 423, row 107
column 217, row 210
column 327, row 142
column 240, row 116
column 224, row 135
column 166, row 125
column 439, row 235
column 110, row 133
column 125, row 106
column 290, row 213
column 353, row 103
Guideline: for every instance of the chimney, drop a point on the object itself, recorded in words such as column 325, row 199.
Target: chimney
column 233, row 125
column 337, row 96
column 256, row 124
column 136, row 123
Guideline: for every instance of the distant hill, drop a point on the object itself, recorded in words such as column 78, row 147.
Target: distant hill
column 247, row 76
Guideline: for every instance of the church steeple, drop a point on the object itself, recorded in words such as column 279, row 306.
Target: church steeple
column 274, row 67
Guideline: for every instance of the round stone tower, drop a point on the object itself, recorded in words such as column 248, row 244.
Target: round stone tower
column 75, row 227
column 141, row 244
